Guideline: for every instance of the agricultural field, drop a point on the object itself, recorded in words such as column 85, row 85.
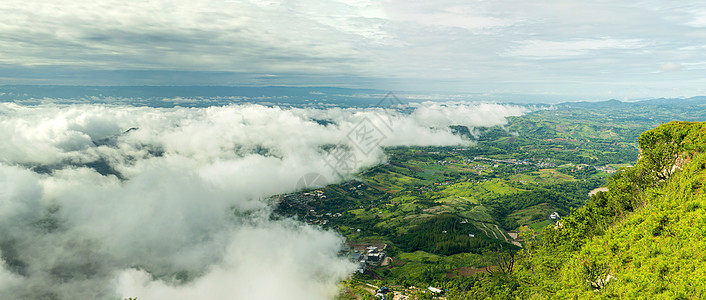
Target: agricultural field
column 446, row 212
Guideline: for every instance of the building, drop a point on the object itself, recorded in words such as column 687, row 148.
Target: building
column 554, row 216
column 382, row 293
column 436, row 291
column 376, row 257
column 361, row 267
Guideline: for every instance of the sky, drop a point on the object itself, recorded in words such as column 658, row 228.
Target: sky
column 592, row 49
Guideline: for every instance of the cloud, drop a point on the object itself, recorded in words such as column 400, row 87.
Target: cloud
column 272, row 269
column 670, row 67
column 101, row 202
column 542, row 49
column 209, row 35
column 498, row 47
column 444, row 14
column 698, row 15
column 481, row 115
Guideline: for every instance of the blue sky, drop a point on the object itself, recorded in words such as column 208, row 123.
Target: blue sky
column 591, row 49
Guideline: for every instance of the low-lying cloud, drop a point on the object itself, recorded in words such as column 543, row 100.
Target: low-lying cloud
column 103, row 202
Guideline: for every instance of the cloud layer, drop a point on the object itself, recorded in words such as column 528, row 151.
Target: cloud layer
column 118, row 201
column 575, row 48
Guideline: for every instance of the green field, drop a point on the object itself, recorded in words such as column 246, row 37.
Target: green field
column 425, row 200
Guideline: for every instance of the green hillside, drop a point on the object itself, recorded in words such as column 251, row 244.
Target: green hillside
column 644, row 237
column 476, row 220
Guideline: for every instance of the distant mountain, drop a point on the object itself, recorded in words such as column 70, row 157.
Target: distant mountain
column 189, row 95
column 698, row 100
column 600, row 104
column 203, row 96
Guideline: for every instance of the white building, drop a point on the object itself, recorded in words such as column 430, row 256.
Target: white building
column 554, row 216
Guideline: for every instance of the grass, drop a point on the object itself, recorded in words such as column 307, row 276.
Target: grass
column 543, row 176
column 419, row 261
column 533, row 214
column 478, row 213
column 476, row 191
column 538, row 227
column 419, row 256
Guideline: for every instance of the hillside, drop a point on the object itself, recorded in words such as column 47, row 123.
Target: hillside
column 644, row 236
column 659, row 248
column 447, row 217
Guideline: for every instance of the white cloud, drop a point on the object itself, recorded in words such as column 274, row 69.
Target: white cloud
column 698, row 19
column 670, row 67
column 542, row 49
column 20, row 197
column 7, row 278
column 445, row 14
column 181, row 193
column 271, row 269
column 695, row 65
column 183, row 35
column 481, row 115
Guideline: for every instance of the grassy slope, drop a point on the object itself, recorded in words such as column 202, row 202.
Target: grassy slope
column 660, row 248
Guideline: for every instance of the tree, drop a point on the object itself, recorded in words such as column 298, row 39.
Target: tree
column 504, row 260
column 660, row 149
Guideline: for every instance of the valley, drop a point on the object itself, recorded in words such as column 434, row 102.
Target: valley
column 448, row 210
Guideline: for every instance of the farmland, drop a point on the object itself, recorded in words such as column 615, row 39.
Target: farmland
column 446, row 212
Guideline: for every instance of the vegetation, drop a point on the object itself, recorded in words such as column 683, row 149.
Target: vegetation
column 641, row 236
column 455, row 237
column 645, row 235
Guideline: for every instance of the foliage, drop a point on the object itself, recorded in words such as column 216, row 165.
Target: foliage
column 612, row 245
column 445, row 234
column 644, row 236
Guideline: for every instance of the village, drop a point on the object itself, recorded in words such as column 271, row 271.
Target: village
column 368, row 209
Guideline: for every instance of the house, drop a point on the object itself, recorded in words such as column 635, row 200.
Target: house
column 382, row 293
column 361, row 267
column 376, row 257
column 554, row 216
column 381, row 296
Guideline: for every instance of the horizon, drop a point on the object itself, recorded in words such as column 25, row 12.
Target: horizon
column 313, row 92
